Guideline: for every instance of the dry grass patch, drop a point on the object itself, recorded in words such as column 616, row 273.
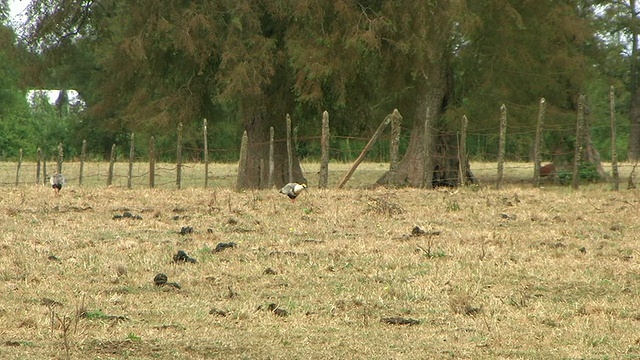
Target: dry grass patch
column 517, row 273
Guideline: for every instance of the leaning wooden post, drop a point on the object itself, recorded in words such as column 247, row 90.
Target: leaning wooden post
column 427, row 156
column 152, row 162
column 242, row 163
column 614, row 152
column 501, row 145
column 39, row 161
column 575, row 180
column 83, row 158
column 394, row 147
column 538, row 143
column 206, row 153
column 18, row 168
column 130, row 175
column 462, row 151
column 179, row 158
column 60, row 157
column 272, row 164
column 289, row 150
column 112, row 160
column 366, row 149
column 324, row 151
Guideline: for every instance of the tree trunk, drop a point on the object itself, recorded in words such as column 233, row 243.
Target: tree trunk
column 634, row 131
column 634, row 111
column 433, row 94
column 257, row 126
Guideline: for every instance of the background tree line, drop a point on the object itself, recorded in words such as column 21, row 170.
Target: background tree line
column 143, row 66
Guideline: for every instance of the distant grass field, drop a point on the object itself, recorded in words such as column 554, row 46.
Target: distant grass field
column 519, row 273
column 224, row 175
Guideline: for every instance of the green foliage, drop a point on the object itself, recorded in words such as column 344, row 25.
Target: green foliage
column 22, row 126
column 547, row 58
column 15, row 134
column 133, row 337
column 4, row 12
column 223, row 143
column 587, row 171
column 346, row 151
column 9, row 72
column 17, row 130
column 436, row 254
column 96, row 315
column 40, row 125
column 599, row 117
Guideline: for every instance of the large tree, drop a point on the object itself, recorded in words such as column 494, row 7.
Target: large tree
column 160, row 63
column 415, row 45
column 157, row 63
column 472, row 57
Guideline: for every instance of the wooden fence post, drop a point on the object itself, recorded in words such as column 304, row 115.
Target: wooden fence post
column 501, row 145
column 263, row 174
column 294, row 138
column 272, row 164
column 614, row 152
column 242, row 163
column 179, row 158
column 462, row 151
column 18, row 168
column 112, row 160
column 538, row 143
column 394, row 147
column 575, row 180
column 324, row 151
column 39, row 162
column 83, row 158
column 367, row 147
column 60, row 157
column 152, row 162
column 427, row 157
column 131, row 156
column 289, row 150
column 206, row 153
column 347, row 149
column 44, row 171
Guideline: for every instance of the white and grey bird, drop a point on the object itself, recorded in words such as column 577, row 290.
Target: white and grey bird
column 292, row 190
column 57, row 181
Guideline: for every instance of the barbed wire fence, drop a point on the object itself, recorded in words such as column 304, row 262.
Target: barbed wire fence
column 552, row 144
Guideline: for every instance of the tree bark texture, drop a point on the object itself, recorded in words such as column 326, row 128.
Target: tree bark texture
column 634, row 110
column 258, row 126
column 433, row 93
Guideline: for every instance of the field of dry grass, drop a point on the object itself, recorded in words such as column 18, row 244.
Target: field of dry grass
column 95, row 174
column 517, row 273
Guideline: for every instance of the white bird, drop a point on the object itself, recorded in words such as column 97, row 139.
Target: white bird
column 292, row 190
column 57, row 181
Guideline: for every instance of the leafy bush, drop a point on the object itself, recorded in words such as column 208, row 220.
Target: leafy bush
column 587, row 171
